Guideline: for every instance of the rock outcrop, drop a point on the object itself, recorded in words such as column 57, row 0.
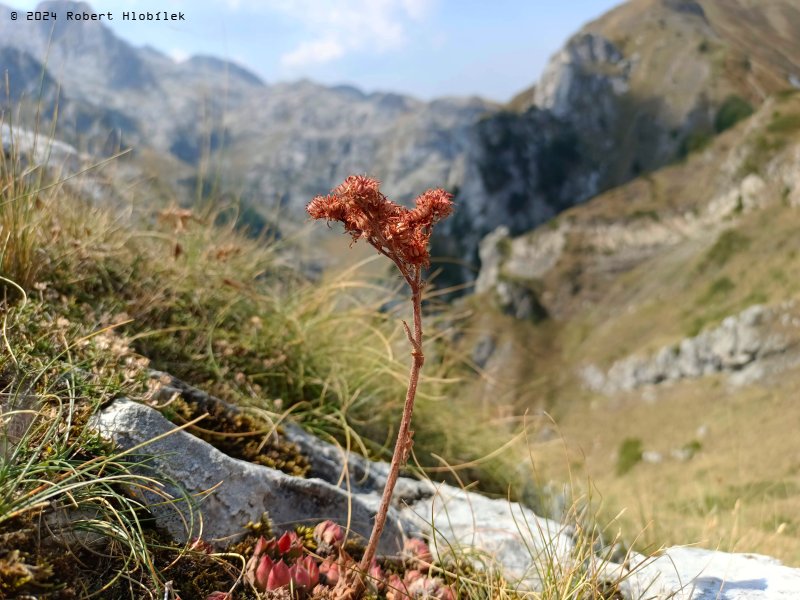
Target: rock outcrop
column 588, row 63
column 30, row 148
column 744, row 346
column 510, row 271
column 573, row 259
column 228, row 493
column 698, row 574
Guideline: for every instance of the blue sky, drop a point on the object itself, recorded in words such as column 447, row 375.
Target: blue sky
column 427, row 48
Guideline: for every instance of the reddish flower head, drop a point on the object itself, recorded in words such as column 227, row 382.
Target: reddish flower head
column 396, row 231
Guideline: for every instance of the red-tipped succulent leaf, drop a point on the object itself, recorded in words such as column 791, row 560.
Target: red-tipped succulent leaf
column 279, row 576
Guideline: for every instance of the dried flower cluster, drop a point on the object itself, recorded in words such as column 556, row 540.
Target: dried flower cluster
column 178, row 218
column 399, row 233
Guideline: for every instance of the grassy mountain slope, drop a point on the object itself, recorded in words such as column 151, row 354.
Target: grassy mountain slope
column 644, row 267
column 749, row 44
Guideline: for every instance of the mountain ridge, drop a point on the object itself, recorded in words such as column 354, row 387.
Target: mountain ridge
column 632, row 91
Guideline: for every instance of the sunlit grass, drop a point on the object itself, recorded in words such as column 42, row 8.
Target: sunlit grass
column 60, row 483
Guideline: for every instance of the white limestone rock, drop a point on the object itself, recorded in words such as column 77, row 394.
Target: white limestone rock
column 744, row 346
column 697, row 574
column 523, row 544
column 449, row 517
column 229, row 493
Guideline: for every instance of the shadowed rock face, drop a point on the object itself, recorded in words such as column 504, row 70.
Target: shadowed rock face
column 79, row 49
column 27, row 73
column 588, row 63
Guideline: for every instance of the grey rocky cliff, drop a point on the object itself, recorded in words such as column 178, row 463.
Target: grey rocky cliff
column 588, row 63
column 293, row 141
column 522, row 258
column 601, row 115
column 746, row 347
column 612, row 243
column 144, row 97
column 509, row 271
column 512, row 268
column 520, row 171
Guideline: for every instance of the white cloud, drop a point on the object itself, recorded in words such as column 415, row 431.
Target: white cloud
column 178, row 55
column 334, row 29
column 314, row 52
column 417, row 9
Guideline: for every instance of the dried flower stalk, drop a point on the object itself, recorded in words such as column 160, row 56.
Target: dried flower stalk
column 402, row 235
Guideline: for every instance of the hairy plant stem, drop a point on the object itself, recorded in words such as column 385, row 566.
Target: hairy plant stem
column 402, row 235
column 402, row 448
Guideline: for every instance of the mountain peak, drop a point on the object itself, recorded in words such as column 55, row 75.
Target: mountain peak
column 221, row 66
column 86, row 51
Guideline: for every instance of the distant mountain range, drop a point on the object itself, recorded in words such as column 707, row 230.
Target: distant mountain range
column 633, row 91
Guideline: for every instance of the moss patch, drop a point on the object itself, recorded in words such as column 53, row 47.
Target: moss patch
column 237, row 434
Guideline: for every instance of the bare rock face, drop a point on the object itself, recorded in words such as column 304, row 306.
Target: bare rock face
column 492, row 252
column 589, row 63
column 510, row 269
column 595, row 120
column 29, row 146
column 228, row 493
column 528, row 258
column 311, row 137
column 745, row 346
